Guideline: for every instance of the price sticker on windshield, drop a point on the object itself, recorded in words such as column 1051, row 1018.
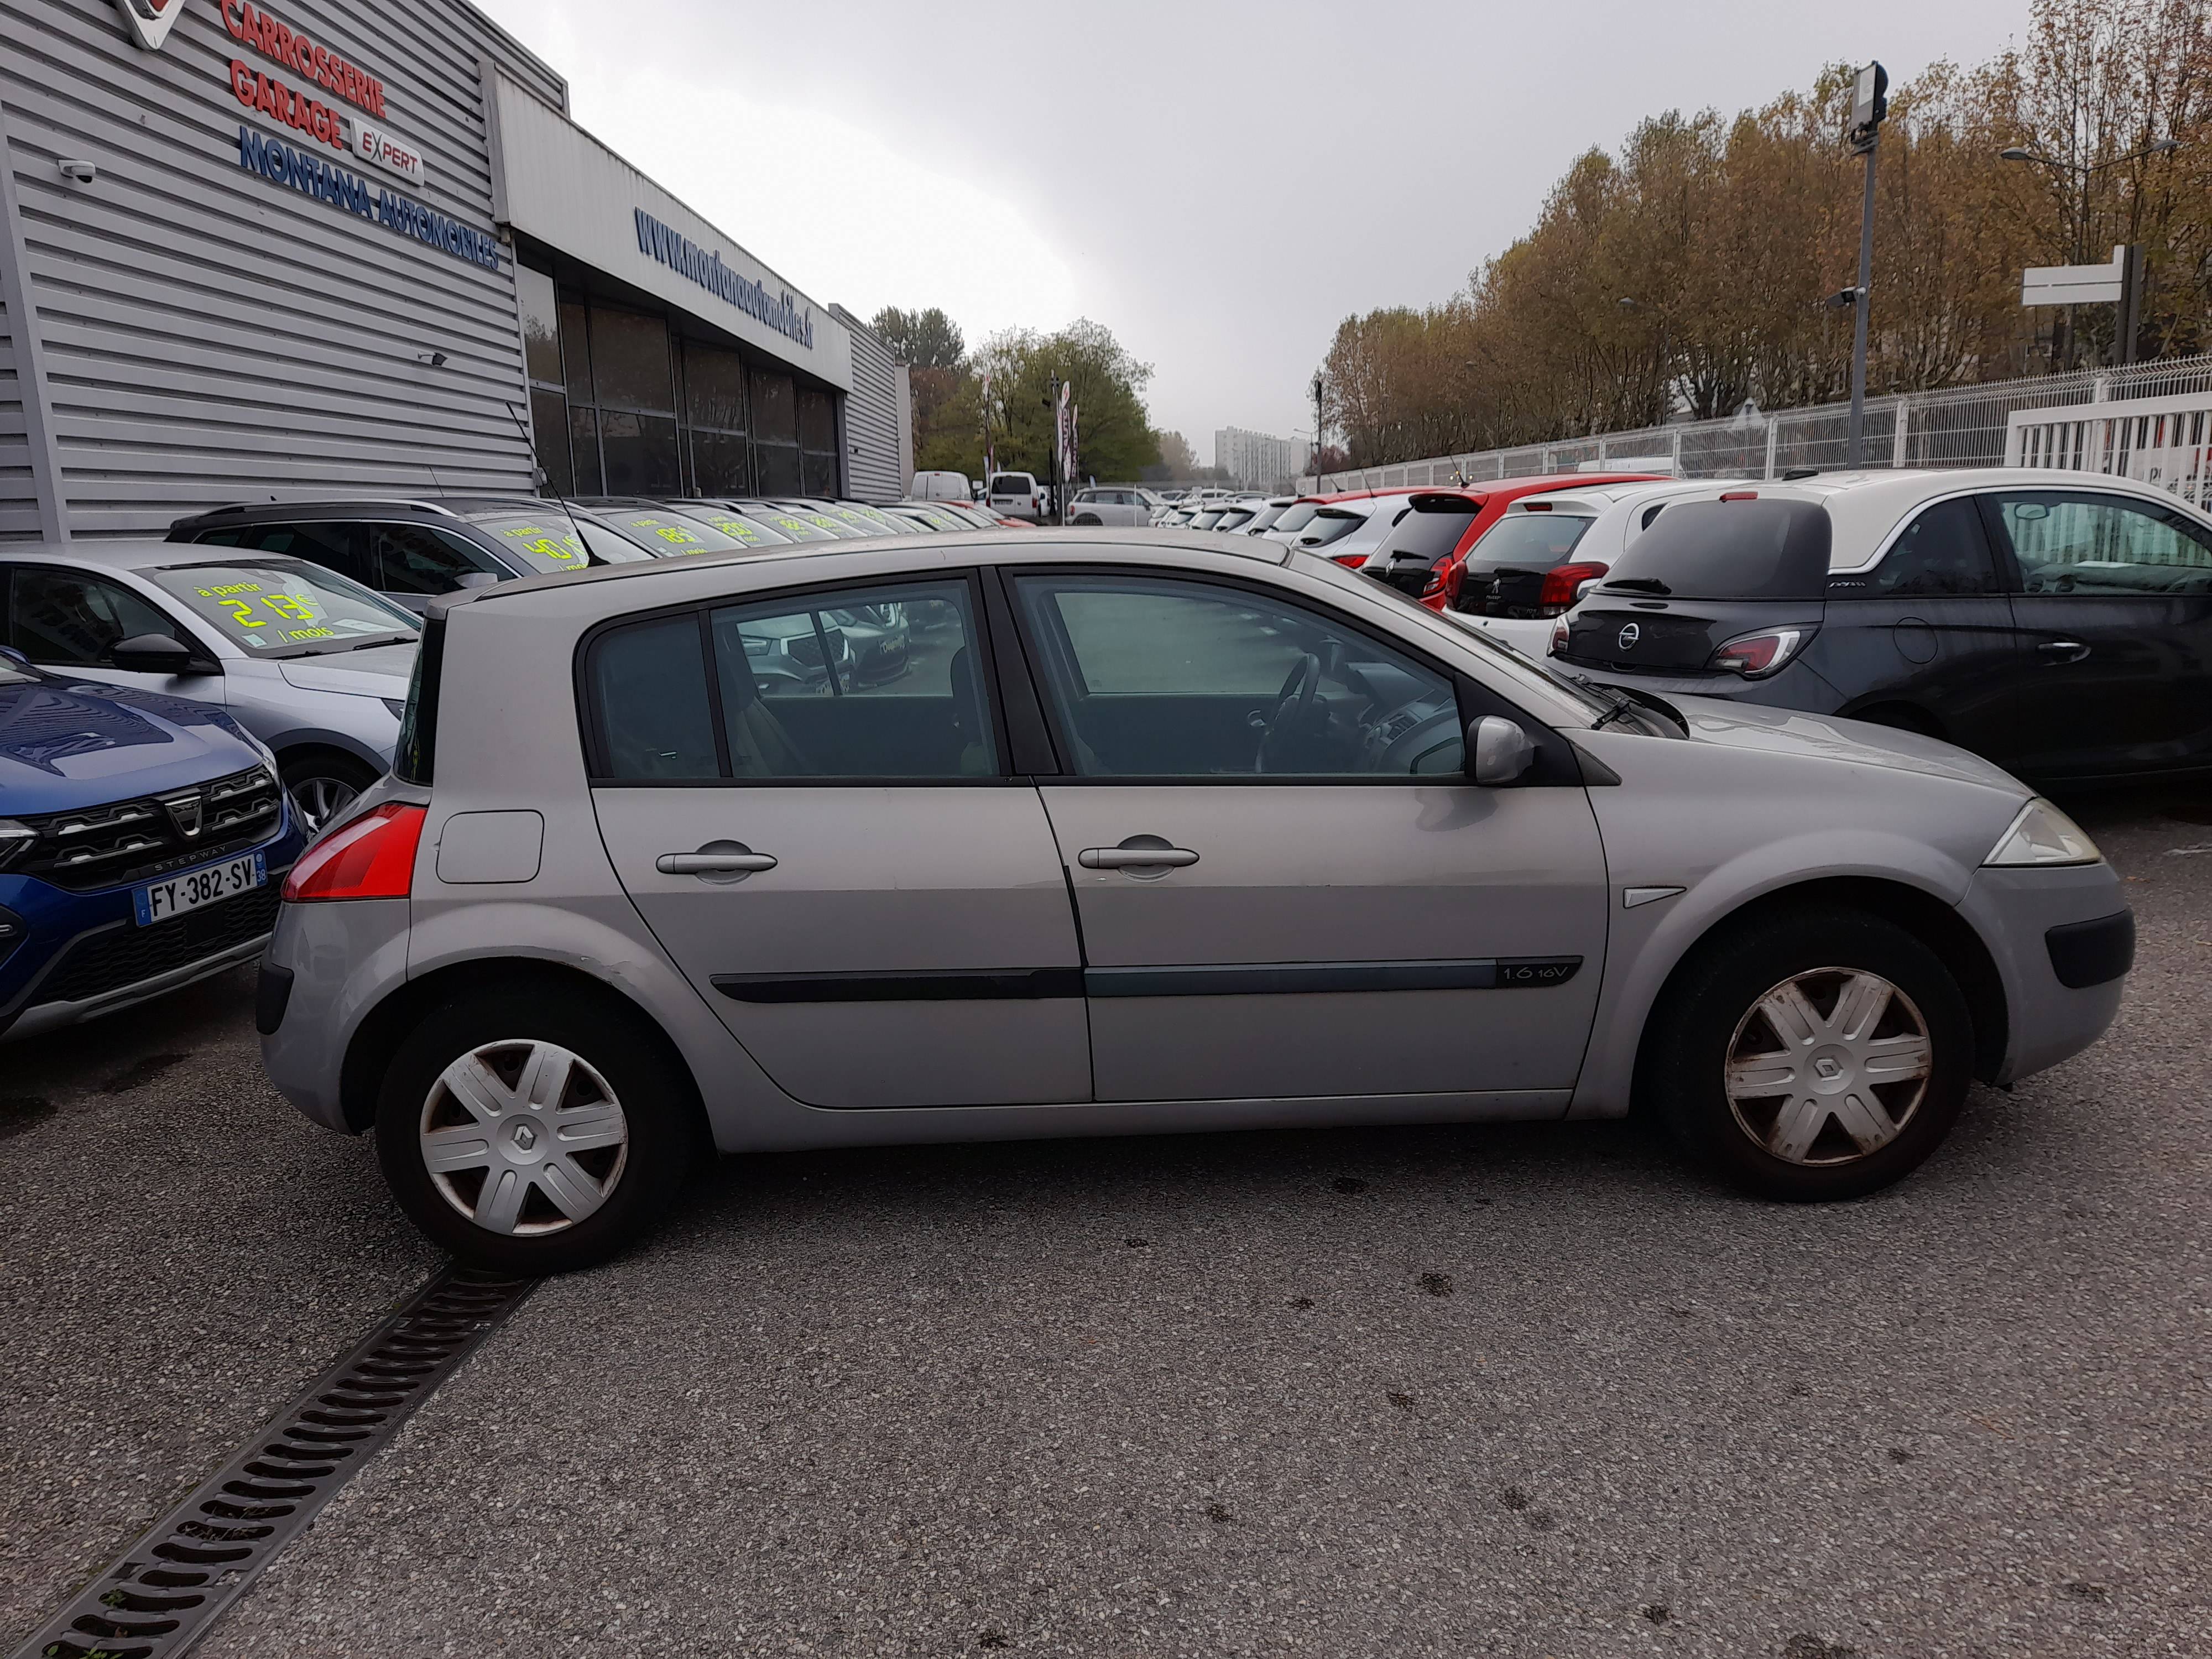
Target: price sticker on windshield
column 259, row 614
column 548, row 545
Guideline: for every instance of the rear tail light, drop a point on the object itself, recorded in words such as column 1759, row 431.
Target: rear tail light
column 1740, row 494
column 1454, row 578
column 1560, row 637
column 1754, row 656
column 373, row 857
column 1350, row 560
column 1560, row 582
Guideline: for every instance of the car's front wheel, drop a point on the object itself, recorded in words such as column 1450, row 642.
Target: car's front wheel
column 323, row 786
column 534, row 1131
column 1812, row 1054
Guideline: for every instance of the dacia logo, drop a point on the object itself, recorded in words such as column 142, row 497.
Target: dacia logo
column 1629, row 636
column 187, row 811
column 150, row 21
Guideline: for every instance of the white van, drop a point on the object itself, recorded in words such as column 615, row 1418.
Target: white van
column 1016, row 495
column 941, row 487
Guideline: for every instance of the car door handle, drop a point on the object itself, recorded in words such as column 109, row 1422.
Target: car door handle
column 712, row 863
column 2063, row 651
column 1136, row 858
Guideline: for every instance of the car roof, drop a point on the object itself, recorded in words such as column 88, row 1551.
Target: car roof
column 437, row 506
column 134, row 555
column 952, row 551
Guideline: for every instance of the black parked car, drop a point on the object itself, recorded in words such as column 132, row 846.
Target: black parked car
column 2057, row 623
column 413, row 549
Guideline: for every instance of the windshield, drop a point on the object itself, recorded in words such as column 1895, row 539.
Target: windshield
column 1296, row 516
column 1741, row 549
column 666, row 533
column 283, row 608
column 789, row 523
column 736, row 526
column 1539, row 676
column 546, row 542
column 1012, row 484
column 1529, row 541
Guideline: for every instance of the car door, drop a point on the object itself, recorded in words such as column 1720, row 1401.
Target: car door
column 843, row 869
column 70, row 621
column 1929, row 629
column 2112, row 598
column 1287, row 886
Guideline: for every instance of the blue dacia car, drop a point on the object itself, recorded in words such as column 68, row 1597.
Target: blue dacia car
column 143, row 840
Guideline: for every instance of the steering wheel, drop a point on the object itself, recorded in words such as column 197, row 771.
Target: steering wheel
column 1293, row 710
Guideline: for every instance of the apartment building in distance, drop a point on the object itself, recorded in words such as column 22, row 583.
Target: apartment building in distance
column 1256, row 460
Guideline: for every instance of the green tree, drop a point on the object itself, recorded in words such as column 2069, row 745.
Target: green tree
column 1114, row 432
column 924, row 339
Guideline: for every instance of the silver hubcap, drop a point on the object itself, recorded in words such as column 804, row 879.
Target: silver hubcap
column 316, row 801
column 524, row 1137
column 1828, row 1066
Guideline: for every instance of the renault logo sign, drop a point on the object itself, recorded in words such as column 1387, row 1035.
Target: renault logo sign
column 150, row 21
column 1629, row 636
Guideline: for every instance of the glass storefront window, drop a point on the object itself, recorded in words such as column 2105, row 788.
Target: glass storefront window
column 549, row 428
column 779, row 468
column 576, row 348
column 641, row 453
column 817, row 421
column 713, row 387
column 775, row 412
column 630, row 360
column 584, row 441
column 541, row 326
column 718, row 464
column 817, row 474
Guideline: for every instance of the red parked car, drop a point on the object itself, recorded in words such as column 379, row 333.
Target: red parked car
column 1425, row 553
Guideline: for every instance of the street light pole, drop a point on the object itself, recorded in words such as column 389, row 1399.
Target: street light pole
column 1870, row 104
column 1318, row 385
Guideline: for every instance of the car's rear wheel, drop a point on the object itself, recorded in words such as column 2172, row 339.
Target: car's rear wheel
column 1087, row 517
column 534, row 1131
column 1812, row 1054
column 323, row 786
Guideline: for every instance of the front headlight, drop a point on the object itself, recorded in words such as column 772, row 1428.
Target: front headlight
column 2042, row 835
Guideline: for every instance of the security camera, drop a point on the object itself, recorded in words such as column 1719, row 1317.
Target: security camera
column 78, row 173
column 434, row 359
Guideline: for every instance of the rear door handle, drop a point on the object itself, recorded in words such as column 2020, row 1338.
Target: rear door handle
column 2063, row 651
column 1135, row 858
column 715, row 858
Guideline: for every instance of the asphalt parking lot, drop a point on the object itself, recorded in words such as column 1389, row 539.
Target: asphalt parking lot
column 1521, row 1392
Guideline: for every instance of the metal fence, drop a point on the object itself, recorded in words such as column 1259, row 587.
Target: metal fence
column 1959, row 426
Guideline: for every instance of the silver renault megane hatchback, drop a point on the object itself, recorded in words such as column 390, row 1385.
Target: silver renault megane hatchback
column 1147, row 834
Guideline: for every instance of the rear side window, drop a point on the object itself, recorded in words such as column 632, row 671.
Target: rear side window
column 1748, row 549
column 414, row 760
column 1942, row 551
column 334, row 546
column 413, row 558
column 881, row 682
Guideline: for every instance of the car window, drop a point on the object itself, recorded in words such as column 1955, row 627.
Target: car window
column 283, row 608
column 413, row 558
column 546, row 542
column 1942, row 551
column 1529, row 541
column 65, row 619
column 666, row 533
column 2084, row 542
column 335, row 545
column 1160, row 678
column 881, row 682
column 1431, row 531
column 737, row 527
column 1752, row 548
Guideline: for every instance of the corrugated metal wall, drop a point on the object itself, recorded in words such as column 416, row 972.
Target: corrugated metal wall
column 210, row 334
column 872, row 419
column 18, row 498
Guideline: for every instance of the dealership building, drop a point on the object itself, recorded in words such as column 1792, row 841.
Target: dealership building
column 252, row 252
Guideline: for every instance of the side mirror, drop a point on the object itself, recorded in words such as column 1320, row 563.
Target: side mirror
column 1498, row 750
column 476, row 578
column 154, row 653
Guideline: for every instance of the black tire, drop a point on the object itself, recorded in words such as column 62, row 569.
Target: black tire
column 666, row 1135
column 321, row 785
column 1708, row 1010
column 1088, row 517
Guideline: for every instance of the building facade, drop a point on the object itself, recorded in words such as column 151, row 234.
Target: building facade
column 250, row 252
column 1256, row 460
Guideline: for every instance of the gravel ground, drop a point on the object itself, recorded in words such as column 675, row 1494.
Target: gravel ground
column 1526, row 1392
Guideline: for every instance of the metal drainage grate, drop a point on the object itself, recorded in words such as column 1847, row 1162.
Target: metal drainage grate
column 175, row 1582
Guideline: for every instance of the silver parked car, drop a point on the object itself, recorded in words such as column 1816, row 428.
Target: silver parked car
column 1152, row 834
column 313, row 665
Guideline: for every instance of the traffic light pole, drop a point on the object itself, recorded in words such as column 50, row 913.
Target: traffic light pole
column 1856, row 447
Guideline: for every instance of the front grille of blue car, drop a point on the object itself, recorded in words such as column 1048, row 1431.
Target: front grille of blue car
column 132, row 841
column 117, row 957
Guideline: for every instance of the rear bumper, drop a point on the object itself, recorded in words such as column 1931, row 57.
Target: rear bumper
column 2046, row 928
column 335, row 963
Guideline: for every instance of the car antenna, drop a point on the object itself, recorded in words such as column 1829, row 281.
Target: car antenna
column 544, row 478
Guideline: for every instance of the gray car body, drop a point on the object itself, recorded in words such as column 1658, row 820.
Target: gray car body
column 341, row 701
column 1751, row 803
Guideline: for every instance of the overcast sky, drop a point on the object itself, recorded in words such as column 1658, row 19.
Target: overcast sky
column 1220, row 184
